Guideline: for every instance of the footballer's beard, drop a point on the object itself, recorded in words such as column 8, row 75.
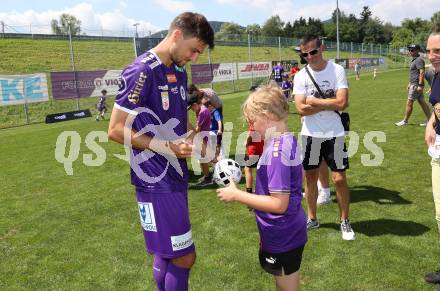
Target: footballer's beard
column 177, row 61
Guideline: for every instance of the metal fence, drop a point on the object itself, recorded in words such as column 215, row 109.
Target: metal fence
column 44, row 53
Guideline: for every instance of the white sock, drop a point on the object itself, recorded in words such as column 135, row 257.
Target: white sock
column 319, row 185
column 326, row 191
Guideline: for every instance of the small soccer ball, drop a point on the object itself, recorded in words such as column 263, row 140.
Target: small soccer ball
column 225, row 170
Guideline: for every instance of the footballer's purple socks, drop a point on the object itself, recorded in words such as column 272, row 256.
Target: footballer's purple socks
column 176, row 278
column 160, row 266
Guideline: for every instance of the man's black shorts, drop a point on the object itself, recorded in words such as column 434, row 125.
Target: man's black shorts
column 332, row 150
column 281, row 263
column 251, row 163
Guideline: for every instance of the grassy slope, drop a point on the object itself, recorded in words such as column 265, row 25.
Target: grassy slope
column 82, row 231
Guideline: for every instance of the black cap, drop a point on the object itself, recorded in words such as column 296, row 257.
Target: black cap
column 192, row 100
column 414, row 46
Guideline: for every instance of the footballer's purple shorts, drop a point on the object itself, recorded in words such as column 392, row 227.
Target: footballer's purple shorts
column 165, row 223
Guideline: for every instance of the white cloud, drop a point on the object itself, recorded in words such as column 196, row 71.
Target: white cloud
column 123, row 4
column 395, row 11
column 113, row 23
column 249, row 3
column 175, row 6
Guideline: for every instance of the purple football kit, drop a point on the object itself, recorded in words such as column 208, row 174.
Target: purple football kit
column 279, row 172
column 285, row 86
column 277, row 72
column 101, row 103
column 156, row 95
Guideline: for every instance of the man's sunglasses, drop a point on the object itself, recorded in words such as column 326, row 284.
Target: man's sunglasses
column 311, row 53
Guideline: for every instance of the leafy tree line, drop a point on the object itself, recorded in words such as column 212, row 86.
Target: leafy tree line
column 363, row 28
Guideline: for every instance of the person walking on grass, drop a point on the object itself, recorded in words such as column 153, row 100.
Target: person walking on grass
column 415, row 85
column 102, row 105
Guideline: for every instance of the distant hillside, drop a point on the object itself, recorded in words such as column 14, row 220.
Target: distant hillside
column 216, row 25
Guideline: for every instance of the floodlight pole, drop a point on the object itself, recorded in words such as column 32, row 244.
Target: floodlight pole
column 250, row 59
column 72, row 60
column 337, row 29
column 134, row 38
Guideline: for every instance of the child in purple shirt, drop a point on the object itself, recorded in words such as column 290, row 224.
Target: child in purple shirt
column 203, row 128
column 280, row 218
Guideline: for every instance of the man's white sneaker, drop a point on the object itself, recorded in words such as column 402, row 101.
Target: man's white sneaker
column 423, row 124
column 347, row 231
column 323, row 198
column 401, row 123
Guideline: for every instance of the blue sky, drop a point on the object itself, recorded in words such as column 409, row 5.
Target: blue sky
column 118, row 16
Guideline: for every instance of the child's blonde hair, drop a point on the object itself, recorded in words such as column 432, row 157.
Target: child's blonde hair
column 266, row 99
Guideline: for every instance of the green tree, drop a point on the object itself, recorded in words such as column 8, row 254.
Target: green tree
column 435, row 19
column 253, row 29
column 288, row 30
column 374, row 31
column 412, row 31
column 366, row 15
column 273, row 27
column 230, row 31
column 62, row 26
column 402, row 37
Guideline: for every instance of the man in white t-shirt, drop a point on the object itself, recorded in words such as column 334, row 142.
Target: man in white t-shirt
column 322, row 131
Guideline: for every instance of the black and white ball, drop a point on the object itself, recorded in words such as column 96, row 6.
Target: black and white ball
column 225, row 170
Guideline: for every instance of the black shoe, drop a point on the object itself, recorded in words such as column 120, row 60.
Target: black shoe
column 206, row 182
column 433, row 278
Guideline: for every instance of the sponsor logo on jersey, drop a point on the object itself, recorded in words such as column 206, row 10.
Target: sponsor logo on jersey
column 171, row 78
column 148, row 58
column 133, row 96
column 146, row 214
column 165, row 100
column 180, row 242
column 163, row 88
column 122, row 84
column 183, row 93
column 154, row 64
column 174, row 90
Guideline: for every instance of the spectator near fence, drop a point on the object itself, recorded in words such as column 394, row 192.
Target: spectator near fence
column 277, row 73
column 357, row 70
column 415, row 85
column 153, row 91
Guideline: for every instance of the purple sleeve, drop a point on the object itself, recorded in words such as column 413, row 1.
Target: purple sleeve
column 133, row 88
column 279, row 174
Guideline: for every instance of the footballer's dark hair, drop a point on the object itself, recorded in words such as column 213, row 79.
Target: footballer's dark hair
column 308, row 38
column 194, row 25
